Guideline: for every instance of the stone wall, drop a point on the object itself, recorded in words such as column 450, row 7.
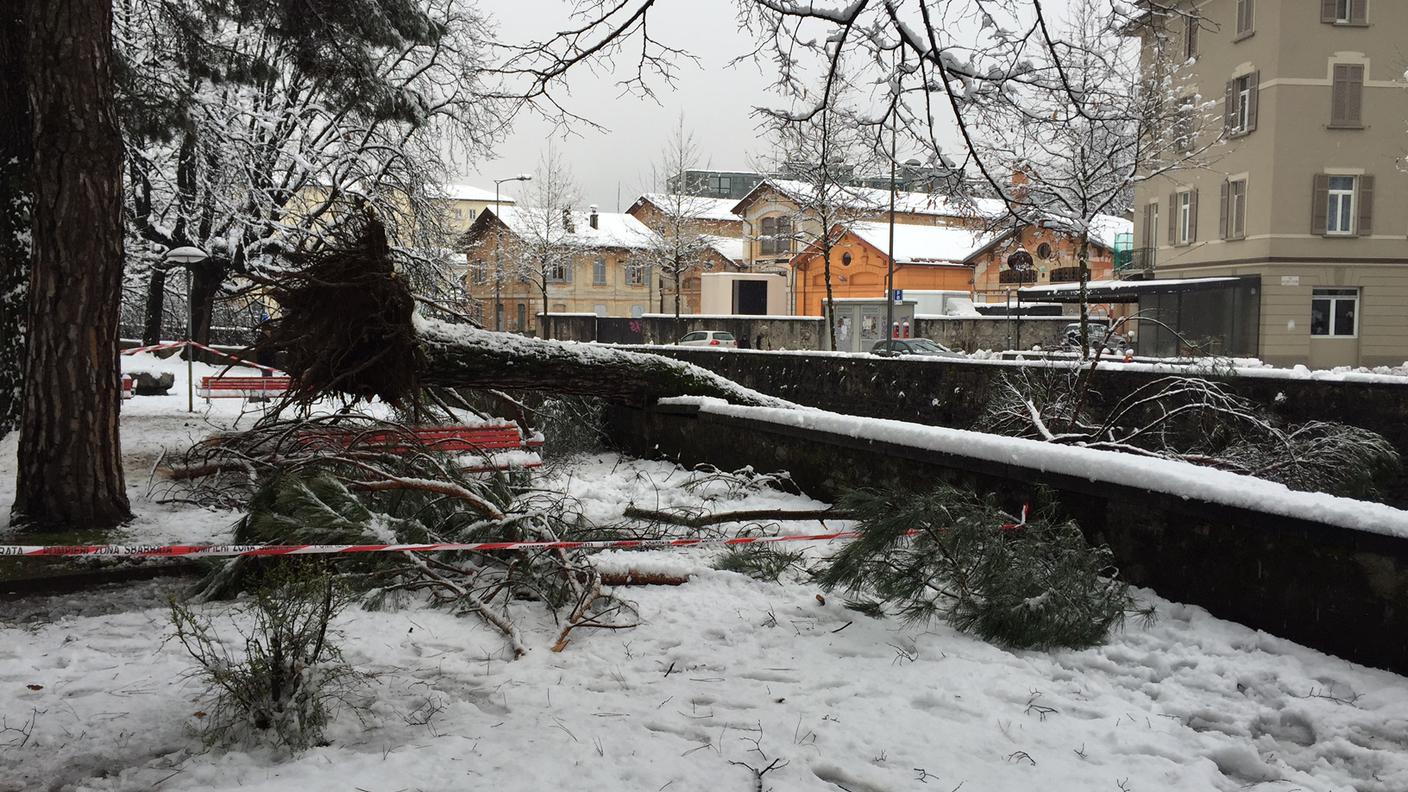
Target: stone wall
column 954, row 393
column 1341, row 591
column 804, row 332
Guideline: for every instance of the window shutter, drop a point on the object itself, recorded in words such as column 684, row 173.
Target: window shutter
column 1320, row 205
column 1190, row 38
column 1239, row 216
column 1353, row 88
column 1229, row 107
column 1327, row 11
column 1347, row 95
column 1193, row 216
column 1366, row 205
column 1148, row 236
column 1254, row 90
column 1222, row 214
column 1359, row 12
column 1246, row 13
column 1173, row 218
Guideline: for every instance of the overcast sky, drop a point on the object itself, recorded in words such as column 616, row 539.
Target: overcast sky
column 716, row 100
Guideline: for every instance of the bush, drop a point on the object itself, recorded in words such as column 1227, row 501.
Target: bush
column 1034, row 587
column 287, row 682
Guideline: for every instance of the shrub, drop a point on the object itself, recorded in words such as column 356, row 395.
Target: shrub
column 289, row 678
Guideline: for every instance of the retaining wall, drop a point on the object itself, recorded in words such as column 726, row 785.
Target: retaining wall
column 1340, row 590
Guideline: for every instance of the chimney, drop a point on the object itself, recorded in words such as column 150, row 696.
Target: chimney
column 567, row 221
column 594, row 216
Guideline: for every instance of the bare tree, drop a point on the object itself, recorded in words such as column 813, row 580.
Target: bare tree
column 272, row 165
column 1083, row 143
column 546, row 242
column 822, row 152
column 681, row 243
column 16, row 188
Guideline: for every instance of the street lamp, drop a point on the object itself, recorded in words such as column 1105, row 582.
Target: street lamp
column 498, row 252
column 187, row 256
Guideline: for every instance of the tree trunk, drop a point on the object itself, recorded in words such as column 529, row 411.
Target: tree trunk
column 830, row 297
column 457, row 356
column 206, row 279
column 1084, row 260
column 156, row 307
column 16, row 195
column 70, row 467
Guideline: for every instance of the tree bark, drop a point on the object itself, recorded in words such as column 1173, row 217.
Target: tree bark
column 70, row 471
column 458, row 356
column 156, row 306
column 16, row 196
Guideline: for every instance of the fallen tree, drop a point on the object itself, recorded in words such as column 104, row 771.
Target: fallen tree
column 349, row 326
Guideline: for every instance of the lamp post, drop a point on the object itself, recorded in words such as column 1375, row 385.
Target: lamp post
column 187, row 256
column 498, row 251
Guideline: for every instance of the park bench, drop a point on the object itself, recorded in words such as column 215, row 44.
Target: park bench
column 242, row 387
column 493, row 447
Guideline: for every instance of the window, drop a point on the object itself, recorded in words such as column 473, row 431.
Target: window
column 1342, row 205
column 1183, row 222
column 1184, row 126
column 1344, row 12
column 1190, row 37
column 1340, row 219
column 479, row 273
column 1246, row 10
column 776, row 236
column 599, row 271
column 1151, row 225
column 1334, row 312
column 1233, row 218
column 522, row 316
column 1347, row 96
column 1065, row 274
column 1043, row 251
column 637, row 311
column 635, row 274
column 1240, row 106
column 560, row 272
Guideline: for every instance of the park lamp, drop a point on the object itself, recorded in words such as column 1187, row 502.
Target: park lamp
column 187, row 255
column 498, row 261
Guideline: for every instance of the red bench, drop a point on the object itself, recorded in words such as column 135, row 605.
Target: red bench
column 242, row 387
column 480, row 440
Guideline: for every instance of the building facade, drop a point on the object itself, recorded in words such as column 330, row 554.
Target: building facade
column 601, row 267
column 1302, row 185
column 466, row 202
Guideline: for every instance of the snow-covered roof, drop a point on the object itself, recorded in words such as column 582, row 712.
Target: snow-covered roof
column 468, row 192
column 876, row 199
column 614, row 229
column 1130, row 285
column 731, row 248
column 922, row 244
column 696, row 206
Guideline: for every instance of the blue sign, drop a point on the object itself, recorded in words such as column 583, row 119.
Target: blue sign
column 899, row 295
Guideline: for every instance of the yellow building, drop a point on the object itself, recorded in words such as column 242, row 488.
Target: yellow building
column 467, row 202
column 603, row 270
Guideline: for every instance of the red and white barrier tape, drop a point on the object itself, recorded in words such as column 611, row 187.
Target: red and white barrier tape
column 197, row 345
column 213, row 551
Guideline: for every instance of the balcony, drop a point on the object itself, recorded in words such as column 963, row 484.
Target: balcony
column 1136, row 262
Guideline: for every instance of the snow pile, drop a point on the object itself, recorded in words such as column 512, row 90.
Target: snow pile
column 1188, row 481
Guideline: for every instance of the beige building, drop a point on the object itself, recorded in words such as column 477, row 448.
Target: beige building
column 467, row 202
column 780, row 220
column 1306, row 189
column 603, row 270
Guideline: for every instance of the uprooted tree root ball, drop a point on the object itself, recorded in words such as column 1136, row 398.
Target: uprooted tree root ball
column 346, row 324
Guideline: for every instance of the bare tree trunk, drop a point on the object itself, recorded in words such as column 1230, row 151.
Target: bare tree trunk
column 830, row 297
column 1084, row 259
column 206, row 279
column 16, row 195
column 70, row 467
column 155, row 306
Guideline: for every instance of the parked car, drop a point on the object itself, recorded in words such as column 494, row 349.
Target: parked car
column 1100, row 335
column 912, row 346
column 714, row 338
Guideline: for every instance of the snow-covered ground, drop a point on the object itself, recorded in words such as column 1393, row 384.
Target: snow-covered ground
column 721, row 672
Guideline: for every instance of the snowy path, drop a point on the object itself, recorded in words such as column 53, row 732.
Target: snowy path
column 722, row 670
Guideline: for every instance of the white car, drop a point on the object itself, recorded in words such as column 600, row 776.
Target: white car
column 709, row 338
